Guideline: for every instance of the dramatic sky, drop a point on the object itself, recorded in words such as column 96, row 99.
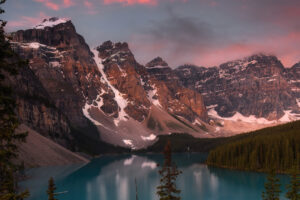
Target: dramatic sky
column 202, row 32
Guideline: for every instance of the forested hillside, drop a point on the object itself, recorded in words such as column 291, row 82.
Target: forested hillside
column 182, row 142
column 275, row 147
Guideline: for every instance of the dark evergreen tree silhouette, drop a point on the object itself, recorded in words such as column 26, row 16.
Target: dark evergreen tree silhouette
column 272, row 187
column 274, row 147
column 167, row 189
column 293, row 192
column 9, row 64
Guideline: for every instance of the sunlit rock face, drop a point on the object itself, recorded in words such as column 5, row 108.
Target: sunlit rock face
column 138, row 92
column 143, row 86
column 120, row 67
column 258, row 85
column 182, row 101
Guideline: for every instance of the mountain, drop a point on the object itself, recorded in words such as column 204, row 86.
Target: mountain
column 97, row 95
column 136, row 106
column 84, row 98
column 257, row 89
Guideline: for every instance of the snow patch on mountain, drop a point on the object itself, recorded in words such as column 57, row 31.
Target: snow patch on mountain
column 298, row 102
column 271, row 80
column 122, row 103
column 287, row 117
column 249, row 62
column 239, row 117
column 31, row 45
column 51, row 22
column 34, row 45
column 97, row 103
column 149, row 138
column 196, row 122
column 54, row 64
column 158, row 67
column 211, row 106
column 294, row 81
column 86, row 113
column 129, row 143
column 153, row 97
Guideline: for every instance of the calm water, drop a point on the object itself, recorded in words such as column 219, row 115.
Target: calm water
column 112, row 178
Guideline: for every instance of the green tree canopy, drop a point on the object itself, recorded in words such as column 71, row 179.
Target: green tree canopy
column 9, row 64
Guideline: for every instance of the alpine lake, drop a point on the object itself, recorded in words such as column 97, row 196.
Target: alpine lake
column 113, row 178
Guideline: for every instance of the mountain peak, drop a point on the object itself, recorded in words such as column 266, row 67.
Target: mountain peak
column 51, row 22
column 109, row 45
column 259, row 60
column 297, row 65
column 119, row 51
column 158, row 61
column 260, row 56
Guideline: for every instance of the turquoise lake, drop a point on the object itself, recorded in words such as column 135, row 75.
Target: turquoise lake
column 112, row 178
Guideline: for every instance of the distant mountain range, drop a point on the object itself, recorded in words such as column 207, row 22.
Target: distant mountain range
column 72, row 93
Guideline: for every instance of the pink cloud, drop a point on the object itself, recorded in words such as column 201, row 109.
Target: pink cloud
column 142, row 2
column 285, row 47
column 49, row 4
column 216, row 56
column 56, row 6
column 90, row 7
column 88, row 4
column 132, row 2
column 26, row 21
column 68, row 3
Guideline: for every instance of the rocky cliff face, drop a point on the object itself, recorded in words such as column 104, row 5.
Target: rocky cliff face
column 63, row 63
column 36, row 109
column 181, row 101
column 293, row 77
column 258, row 85
column 105, row 86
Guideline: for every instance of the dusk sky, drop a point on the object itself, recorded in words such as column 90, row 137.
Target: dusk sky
column 201, row 32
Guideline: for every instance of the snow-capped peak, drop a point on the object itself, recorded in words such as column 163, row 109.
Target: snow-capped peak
column 51, row 22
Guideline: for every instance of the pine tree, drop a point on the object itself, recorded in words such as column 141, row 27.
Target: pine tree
column 8, row 121
column 169, row 172
column 272, row 187
column 51, row 189
column 293, row 192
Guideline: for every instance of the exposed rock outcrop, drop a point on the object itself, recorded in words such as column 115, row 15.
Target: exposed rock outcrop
column 257, row 85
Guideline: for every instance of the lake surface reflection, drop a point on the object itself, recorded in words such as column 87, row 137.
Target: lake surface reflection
column 112, row 178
